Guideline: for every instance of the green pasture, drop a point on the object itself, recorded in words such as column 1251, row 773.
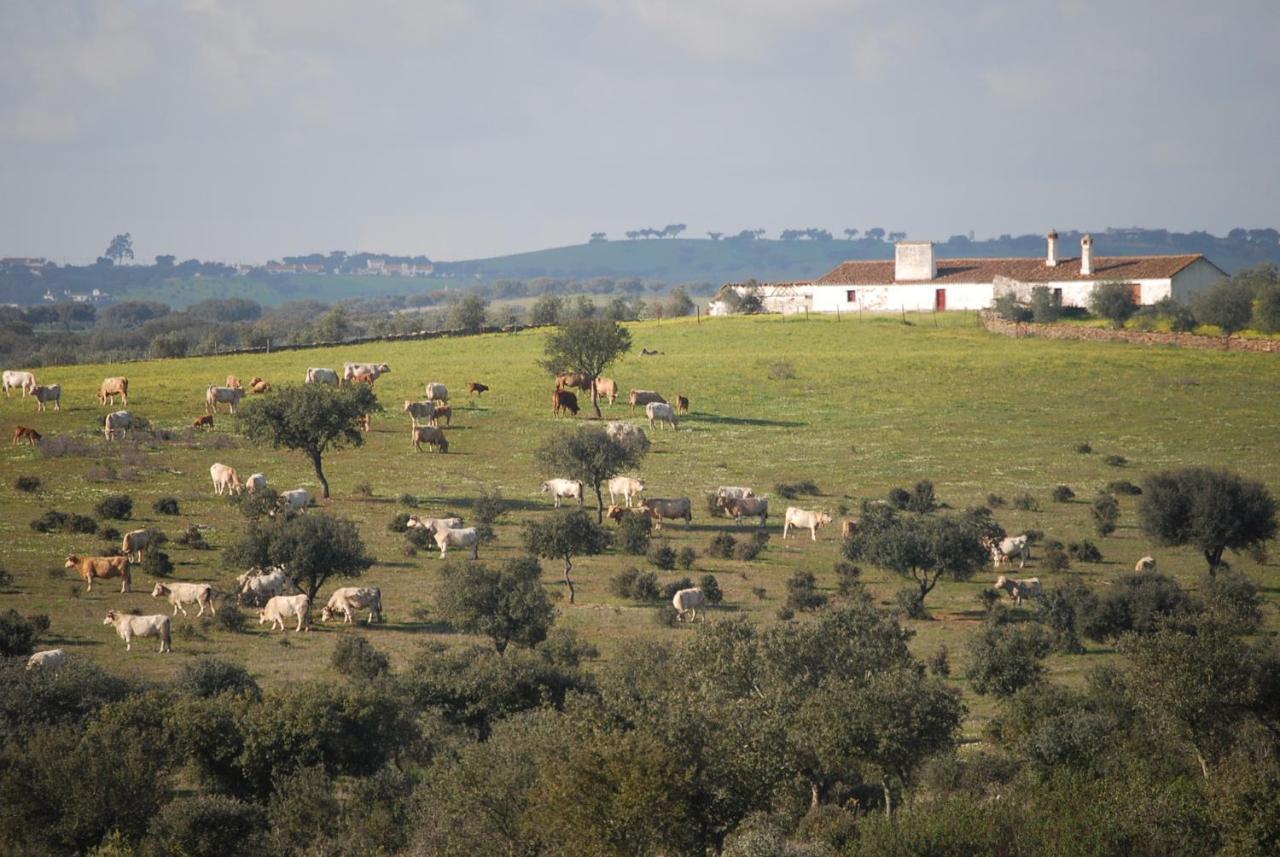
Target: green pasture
column 871, row 405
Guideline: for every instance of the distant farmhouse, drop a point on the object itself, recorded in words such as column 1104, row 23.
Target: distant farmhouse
column 917, row 281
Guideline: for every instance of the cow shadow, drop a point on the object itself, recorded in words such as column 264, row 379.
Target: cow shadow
column 510, row 504
column 716, row 419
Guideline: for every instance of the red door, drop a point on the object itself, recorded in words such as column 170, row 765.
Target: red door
column 939, row 299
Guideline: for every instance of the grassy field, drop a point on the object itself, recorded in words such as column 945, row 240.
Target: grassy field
column 872, row 405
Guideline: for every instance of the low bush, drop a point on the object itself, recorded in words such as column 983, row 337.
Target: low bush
column 1008, row 307
column 721, row 546
column 1116, row 460
column 1026, row 503
column 686, row 557
column 157, row 563
column 1234, row 600
column 18, row 633
column 230, row 618
column 1008, row 657
column 6, row 578
column 988, row 598
column 1106, row 514
column 166, row 506
column 635, row 584
column 749, row 549
column 1084, row 551
column 1046, row 305
column 192, row 537
column 109, row 534
column 794, row 490
column 1055, row 556
column 207, row 826
column 29, row 484
column 911, row 604
column 1137, row 602
column 634, row 533
column 995, row 501
column 899, row 498
column 662, row 556
column 489, row 506
column 1084, row 448
column 711, row 588
column 420, row 538
column 399, row 523
column 54, row 521
column 1123, row 487
column 208, row 677
column 847, row 577
column 65, row 446
column 922, row 497
column 409, row 501
column 1062, row 494
column 666, row 616
column 358, row 659
column 786, row 614
column 118, row 507
column 940, row 662
column 669, row 591
column 802, row 592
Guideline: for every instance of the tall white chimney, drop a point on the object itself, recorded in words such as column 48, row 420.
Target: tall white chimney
column 1051, row 257
column 1086, row 256
column 913, row 260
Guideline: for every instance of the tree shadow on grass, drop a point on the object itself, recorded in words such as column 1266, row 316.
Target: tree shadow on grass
column 742, row 421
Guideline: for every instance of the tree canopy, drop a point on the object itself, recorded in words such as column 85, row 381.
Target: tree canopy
column 588, row 453
column 1209, row 508
column 312, row 548
column 587, row 346
column 1113, row 301
column 565, row 534
column 921, row 547
column 507, row 605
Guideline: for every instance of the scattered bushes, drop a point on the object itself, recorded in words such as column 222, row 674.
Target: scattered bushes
column 1116, row 460
column 634, row 533
column 65, row 446
column 194, row 539
column 230, row 619
column 1006, row 657
column 721, row 546
column 1137, row 602
column 794, row 490
column 54, row 521
column 419, row 538
column 940, row 662
column 1063, row 494
column 157, row 563
column 207, row 826
column 1055, row 556
column 666, row 616
column 636, row 585
column 686, row 557
column 118, row 507
column 662, row 556
column 358, row 659
column 109, row 534
column 711, row 588
column 1123, row 486
column 1234, row 600
column 802, row 592
column 1026, row 503
column 1084, row 551
column 29, row 484
column 1106, row 514
column 486, row 510
column 166, row 506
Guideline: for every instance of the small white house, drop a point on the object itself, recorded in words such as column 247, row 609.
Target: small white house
column 915, row 280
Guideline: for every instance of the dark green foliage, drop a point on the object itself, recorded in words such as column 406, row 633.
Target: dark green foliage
column 563, row 535
column 1065, row 609
column 1084, row 551
column 357, row 659
column 1008, row 307
column 922, row 497
column 546, row 310
column 633, row 534
column 315, row 547
column 899, row 498
column 802, row 592
column 311, row 419
column 507, row 605
column 940, row 662
column 1123, row 487
column 118, row 507
column 635, row 584
column 669, row 590
column 847, row 577
column 922, row 548
column 488, row 506
column 1105, row 510
column 666, row 616
column 468, row 313
column 157, row 563
column 109, row 534
column 1046, row 305
column 207, row 676
column 1113, row 301
column 566, row 648
column 749, row 549
column 166, row 506
column 28, row 484
column 1116, row 460
column 409, row 500
column 1227, row 304
column 989, row 598
column 1084, row 447
column 721, row 546
column 995, row 501
column 784, row 614
column 6, row 578
column 1005, row 658
column 662, row 556
column 419, row 537
column 1055, row 556
column 1235, row 601
column 587, row 453
column 1266, row 307
column 587, row 346
column 54, row 521
column 911, row 604
column 793, row 490
column 1062, row 494
column 256, row 505
column 193, row 538
column 1137, row 602
column 230, row 619
column 711, row 588
column 18, row 634
column 207, row 826
column 1025, row 502
column 686, row 557
column 1208, row 508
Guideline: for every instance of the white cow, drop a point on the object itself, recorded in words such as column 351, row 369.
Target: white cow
column 688, row 601
column 437, row 392
column 225, row 479
column 462, row 538
column 50, row 659
column 256, row 482
column 805, row 520
column 257, row 586
column 349, row 599
column 627, row 433
column 134, row 543
column 660, row 412
column 214, row 396
column 374, row 370
column 1020, row 589
column 433, row 525
column 186, row 593
column 128, row 627
column 120, row 421
column 286, row 607
column 1019, row 546
column 561, row 488
column 732, row 492
column 47, row 393
column 317, row 375
column 424, row 411
column 24, row 381
column 295, row 500
column 1147, row 563
column 626, row 486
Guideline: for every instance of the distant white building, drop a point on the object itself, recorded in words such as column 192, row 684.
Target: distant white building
column 915, row 280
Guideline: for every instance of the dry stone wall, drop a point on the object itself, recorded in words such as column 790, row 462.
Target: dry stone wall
column 1137, row 337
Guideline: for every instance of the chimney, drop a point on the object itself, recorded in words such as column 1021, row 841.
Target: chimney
column 1086, row 256
column 913, row 260
column 1051, row 257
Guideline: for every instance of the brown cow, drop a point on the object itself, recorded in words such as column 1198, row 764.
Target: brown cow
column 21, row 433
column 682, row 404
column 234, row 383
column 431, row 436
column 564, row 400
column 441, row 411
column 112, row 387
column 477, row 388
column 607, row 388
column 258, row 385
column 580, row 380
column 102, row 568
column 364, row 378
column 205, row 421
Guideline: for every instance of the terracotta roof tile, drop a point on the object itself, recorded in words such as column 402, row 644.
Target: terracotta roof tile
column 1026, row 270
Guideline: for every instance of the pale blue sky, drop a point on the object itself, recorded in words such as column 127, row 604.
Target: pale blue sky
column 252, row 129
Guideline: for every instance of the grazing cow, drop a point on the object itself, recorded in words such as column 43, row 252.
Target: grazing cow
column 462, row 538
column 725, row 493
column 437, row 392
column 205, row 421
column 431, row 436
column 441, row 410
column 228, row 396
column 576, row 380
column 1147, row 563
column 748, row 507
column 225, row 479
column 626, row 486
column 660, row 412
column 295, row 500
column 688, row 601
column 256, row 482
column 24, row 381
column 112, row 387
column 477, row 389
column 353, row 371
column 283, row 607
column 627, row 433
column 1019, row 546
column 256, row 586
column 848, row 528
column 258, row 385
column 805, row 520
column 561, row 488
column 433, row 525
column 349, row 599
column 47, row 393
column 21, row 433
column 91, row 568
column 607, row 388
column 644, row 397
column 186, row 593
column 50, row 659
column 234, row 382
column 659, row 509
column 563, row 400
column 119, row 422
column 320, row 375
column 424, row 411
column 1020, row 589
column 615, row 513
column 129, row 627
column 682, row 404
column 135, row 543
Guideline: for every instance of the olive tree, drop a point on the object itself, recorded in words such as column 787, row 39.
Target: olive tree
column 586, row 346
column 1113, row 301
column 589, row 454
column 1227, row 304
column 1209, row 508
column 923, row 548
column 565, row 535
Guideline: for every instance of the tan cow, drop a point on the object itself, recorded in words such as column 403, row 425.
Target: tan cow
column 284, row 607
column 607, row 388
column 578, row 380
column 186, row 593
column 258, row 385
column 431, row 436
column 806, row 520
column 92, row 568
column 225, row 479
column 112, row 387
column 645, row 397
column 234, row 382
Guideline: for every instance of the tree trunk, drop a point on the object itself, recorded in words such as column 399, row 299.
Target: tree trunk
column 595, row 399
column 568, row 565
column 1214, row 558
column 815, row 795
column 888, row 797
column 1204, row 766
column 599, row 504
column 324, row 483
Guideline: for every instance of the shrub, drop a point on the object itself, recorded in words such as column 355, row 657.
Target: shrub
column 1055, row 556
column 1046, row 305
column 714, row 509
column 1266, row 308
column 1138, row 602
column 358, row 659
column 1114, row 302
column 995, row 501
column 711, row 588
column 786, row 614
column 1116, row 460
column 1006, row 658
column 847, row 577
column 18, row 634
column 1084, row 551
column 230, row 618
column 115, row 506
column 899, row 498
column 721, row 546
column 1084, row 448
column 1123, row 486
column 419, row 538
column 193, row 538
column 409, row 500
column 750, row 548
column 634, row 533
column 207, row 826
column 666, row 616
column 686, row 557
column 1063, row 494
column 29, row 484
column 54, row 521
column 166, row 506
column 365, row 489
column 207, row 677
column 802, row 592
column 157, row 563
column 911, row 604
column 1106, row 514
column 6, row 578
column 489, row 507
column 940, row 662
column 1227, row 304
column 1008, row 307
column 760, row 592
column 109, row 534
column 635, row 584
column 782, row 371
column 988, row 598
column 922, row 497
column 793, row 490
column 669, row 591
column 1026, row 502
column 1234, row 601
column 399, row 523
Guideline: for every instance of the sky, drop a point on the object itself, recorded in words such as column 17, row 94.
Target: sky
column 247, row 130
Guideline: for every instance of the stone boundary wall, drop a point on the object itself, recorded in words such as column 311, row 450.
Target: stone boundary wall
column 1018, row 330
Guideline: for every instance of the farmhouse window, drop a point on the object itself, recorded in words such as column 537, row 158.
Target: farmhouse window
column 1057, row 295
column 851, row 296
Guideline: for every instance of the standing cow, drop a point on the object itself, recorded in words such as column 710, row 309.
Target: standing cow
column 112, row 387
column 25, row 381
column 320, row 375
column 45, row 394
column 805, row 520
column 229, row 396
column 118, row 423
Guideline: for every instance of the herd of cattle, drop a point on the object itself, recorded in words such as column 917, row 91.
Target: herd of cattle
column 277, row 596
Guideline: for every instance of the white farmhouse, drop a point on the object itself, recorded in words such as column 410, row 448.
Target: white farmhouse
column 915, row 280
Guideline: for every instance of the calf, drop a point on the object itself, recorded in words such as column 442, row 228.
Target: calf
column 349, row 599
column 50, row 659
column 45, row 394
column 91, row 568
column 112, row 387
column 682, row 404
column 475, row 388
column 363, row 378
column 1020, row 589
column 804, row 519
column 1147, row 563
column 256, row 482
column 258, row 385
column 563, row 400
column 688, row 601
column 645, row 397
column 234, row 383
column 205, row 421
column 561, row 488
column 186, row 593
column 286, row 607
column 441, row 410
column 431, row 436
column 295, row 500
column 128, row 627
column 30, row 435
